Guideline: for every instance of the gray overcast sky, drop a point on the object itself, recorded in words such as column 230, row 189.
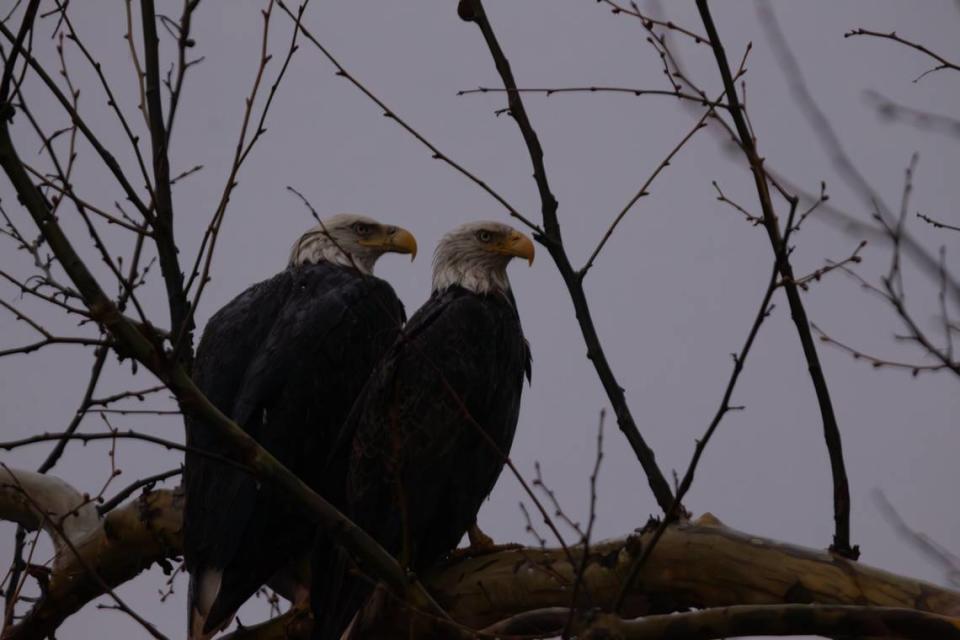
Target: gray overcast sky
column 673, row 293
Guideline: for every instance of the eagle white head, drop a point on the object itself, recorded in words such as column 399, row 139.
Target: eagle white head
column 351, row 240
column 475, row 256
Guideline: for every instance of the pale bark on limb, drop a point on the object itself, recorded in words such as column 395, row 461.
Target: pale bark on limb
column 125, row 542
column 51, row 502
column 700, row 564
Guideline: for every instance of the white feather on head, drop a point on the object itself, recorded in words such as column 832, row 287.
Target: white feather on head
column 350, row 240
column 475, row 256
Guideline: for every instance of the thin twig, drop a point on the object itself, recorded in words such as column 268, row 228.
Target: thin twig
column 821, row 126
column 854, row 258
column 721, row 196
column 936, row 223
column 201, row 276
column 91, row 138
column 649, row 22
column 943, row 63
column 390, row 113
column 874, row 361
column 738, row 363
column 146, row 483
column 701, row 123
column 588, row 535
column 924, row 120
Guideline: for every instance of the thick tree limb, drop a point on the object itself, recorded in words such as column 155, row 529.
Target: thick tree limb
column 58, row 501
column 696, row 565
column 780, row 620
column 702, row 564
column 120, row 546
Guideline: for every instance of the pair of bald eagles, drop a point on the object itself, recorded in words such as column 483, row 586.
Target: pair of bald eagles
column 403, row 426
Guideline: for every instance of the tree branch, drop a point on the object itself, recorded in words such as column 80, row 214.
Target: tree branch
column 472, row 11
column 841, row 490
column 126, row 542
column 942, row 63
column 780, row 620
column 49, row 497
column 163, row 204
column 703, row 564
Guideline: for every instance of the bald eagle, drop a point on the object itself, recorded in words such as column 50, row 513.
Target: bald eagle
column 285, row 359
column 429, row 433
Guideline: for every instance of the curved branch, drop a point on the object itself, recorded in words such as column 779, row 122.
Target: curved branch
column 126, row 542
column 831, row 430
column 701, row 564
column 781, row 620
column 35, row 500
column 473, row 11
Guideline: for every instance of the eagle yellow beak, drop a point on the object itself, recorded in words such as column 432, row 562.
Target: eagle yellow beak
column 518, row 245
column 396, row 240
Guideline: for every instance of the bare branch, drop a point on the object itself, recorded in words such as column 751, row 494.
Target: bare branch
column 841, row 490
column 854, row 258
column 697, row 99
column 125, row 543
column 147, row 484
column 921, row 541
column 943, row 63
column 390, row 113
column 91, row 138
column 38, row 501
column 162, row 221
column 924, row 120
column 821, row 126
column 201, row 275
column 472, row 11
column 649, row 22
column 482, row 592
column 701, row 123
column 739, row 360
column 780, row 620
column 937, row 224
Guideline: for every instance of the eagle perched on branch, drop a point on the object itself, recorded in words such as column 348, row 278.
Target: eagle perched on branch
column 430, row 432
column 285, row 360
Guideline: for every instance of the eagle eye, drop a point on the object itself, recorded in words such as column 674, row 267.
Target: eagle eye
column 361, row 228
column 484, row 236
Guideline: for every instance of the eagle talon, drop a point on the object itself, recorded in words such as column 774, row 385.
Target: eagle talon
column 481, row 545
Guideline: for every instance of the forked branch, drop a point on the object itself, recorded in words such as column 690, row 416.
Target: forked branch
column 841, row 490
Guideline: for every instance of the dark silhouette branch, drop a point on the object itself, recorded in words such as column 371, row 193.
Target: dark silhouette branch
column 162, row 221
column 472, row 11
column 390, row 113
column 697, row 99
column 739, row 360
column 841, row 490
column 821, row 126
column 942, row 63
column 81, row 124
